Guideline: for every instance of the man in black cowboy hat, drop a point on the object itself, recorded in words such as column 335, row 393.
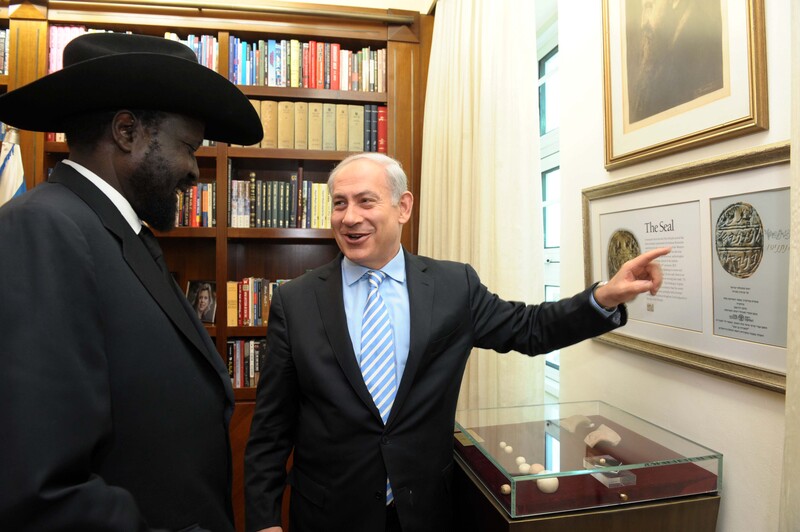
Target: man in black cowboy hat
column 115, row 402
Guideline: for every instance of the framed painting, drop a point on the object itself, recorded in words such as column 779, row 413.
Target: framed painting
column 681, row 74
column 723, row 305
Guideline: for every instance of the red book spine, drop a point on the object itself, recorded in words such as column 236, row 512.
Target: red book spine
column 383, row 128
column 335, row 48
column 306, row 66
column 312, row 64
column 320, row 65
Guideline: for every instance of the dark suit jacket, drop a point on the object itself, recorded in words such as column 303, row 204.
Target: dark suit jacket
column 115, row 403
column 312, row 397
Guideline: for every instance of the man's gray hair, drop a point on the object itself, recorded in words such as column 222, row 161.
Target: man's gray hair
column 396, row 177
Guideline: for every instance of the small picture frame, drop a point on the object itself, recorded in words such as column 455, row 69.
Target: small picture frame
column 202, row 296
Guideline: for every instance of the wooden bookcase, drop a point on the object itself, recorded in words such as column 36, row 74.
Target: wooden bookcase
column 4, row 26
column 223, row 253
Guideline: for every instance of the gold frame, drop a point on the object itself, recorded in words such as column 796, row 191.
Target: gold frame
column 756, row 120
column 762, row 156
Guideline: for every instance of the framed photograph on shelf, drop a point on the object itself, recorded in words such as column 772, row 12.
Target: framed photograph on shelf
column 723, row 305
column 202, row 295
column 681, row 74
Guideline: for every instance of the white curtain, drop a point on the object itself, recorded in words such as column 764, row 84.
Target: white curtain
column 480, row 196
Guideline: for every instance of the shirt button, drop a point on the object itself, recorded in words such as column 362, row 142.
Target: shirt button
column 380, row 495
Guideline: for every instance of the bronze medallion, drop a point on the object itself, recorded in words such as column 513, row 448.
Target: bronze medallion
column 739, row 238
column 622, row 247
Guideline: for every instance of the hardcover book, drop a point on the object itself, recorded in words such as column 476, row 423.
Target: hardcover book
column 269, row 120
column 329, row 126
column 314, row 126
column 355, row 128
column 285, row 125
column 301, row 125
column 383, row 128
column 342, row 121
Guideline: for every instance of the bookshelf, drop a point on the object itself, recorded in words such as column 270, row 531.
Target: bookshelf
column 223, row 253
column 4, row 44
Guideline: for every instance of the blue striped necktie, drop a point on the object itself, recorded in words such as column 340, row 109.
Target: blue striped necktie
column 377, row 353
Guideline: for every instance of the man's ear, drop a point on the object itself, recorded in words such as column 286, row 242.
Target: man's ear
column 405, row 204
column 123, row 130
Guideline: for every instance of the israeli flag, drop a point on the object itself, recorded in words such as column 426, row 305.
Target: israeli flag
column 12, row 176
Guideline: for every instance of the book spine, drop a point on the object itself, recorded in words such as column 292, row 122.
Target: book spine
column 305, row 66
column 382, row 129
column 232, row 304
column 292, row 200
column 335, row 49
column 271, row 49
column 373, row 127
column 230, row 352
column 320, row 65
column 240, row 303
column 312, row 64
column 301, row 125
column 251, row 191
column 327, row 65
column 212, row 192
column 367, row 112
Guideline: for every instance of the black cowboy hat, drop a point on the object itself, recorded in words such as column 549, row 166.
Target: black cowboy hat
column 111, row 71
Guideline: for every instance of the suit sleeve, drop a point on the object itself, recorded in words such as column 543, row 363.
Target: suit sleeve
column 53, row 382
column 535, row 329
column 273, row 427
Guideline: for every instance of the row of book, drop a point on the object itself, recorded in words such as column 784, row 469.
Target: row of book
column 305, row 125
column 58, row 36
column 197, row 206
column 270, row 62
column 245, row 359
column 4, row 35
column 279, row 204
column 248, row 301
column 205, row 47
column 309, row 65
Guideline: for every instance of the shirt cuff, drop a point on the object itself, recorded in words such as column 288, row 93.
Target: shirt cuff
column 601, row 309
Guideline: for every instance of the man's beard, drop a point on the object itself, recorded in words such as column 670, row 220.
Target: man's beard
column 152, row 190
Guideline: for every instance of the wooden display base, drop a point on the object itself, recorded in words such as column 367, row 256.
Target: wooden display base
column 476, row 509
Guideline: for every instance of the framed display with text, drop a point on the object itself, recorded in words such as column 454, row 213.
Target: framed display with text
column 681, row 74
column 723, row 305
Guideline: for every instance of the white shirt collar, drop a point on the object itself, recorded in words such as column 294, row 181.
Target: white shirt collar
column 116, row 198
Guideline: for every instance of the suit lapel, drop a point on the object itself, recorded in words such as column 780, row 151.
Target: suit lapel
column 137, row 256
column 331, row 304
column 420, row 302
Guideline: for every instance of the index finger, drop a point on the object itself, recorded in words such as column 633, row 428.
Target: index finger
column 649, row 256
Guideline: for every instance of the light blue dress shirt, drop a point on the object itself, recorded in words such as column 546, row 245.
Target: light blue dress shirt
column 394, row 292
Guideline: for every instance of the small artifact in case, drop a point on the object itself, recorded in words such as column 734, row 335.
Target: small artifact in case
column 561, row 457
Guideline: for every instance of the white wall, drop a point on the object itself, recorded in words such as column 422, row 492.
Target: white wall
column 743, row 422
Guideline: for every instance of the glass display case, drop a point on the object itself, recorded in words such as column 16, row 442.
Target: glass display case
column 562, row 457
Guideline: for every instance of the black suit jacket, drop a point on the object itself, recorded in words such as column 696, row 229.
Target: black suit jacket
column 312, row 397
column 115, row 402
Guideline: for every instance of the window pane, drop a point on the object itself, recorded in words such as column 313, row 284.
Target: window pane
column 552, row 229
column 548, row 92
column 551, row 196
column 551, row 185
column 551, row 103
